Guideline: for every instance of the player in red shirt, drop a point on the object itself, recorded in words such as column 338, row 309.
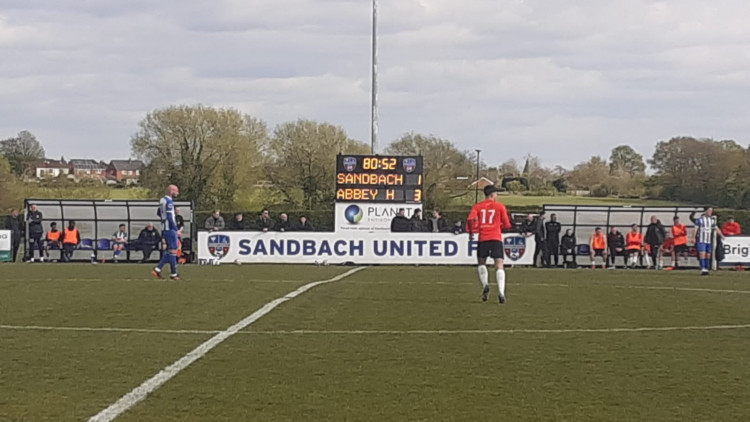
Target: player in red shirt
column 489, row 218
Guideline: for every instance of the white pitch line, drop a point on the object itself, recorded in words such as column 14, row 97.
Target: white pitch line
column 105, row 329
column 507, row 331
column 152, row 384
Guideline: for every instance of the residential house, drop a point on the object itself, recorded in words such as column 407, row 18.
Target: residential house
column 88, row 169
column 128, row 171
column 49, row 169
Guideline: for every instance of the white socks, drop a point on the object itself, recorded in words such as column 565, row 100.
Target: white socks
column 501, row 281
column 483, row 275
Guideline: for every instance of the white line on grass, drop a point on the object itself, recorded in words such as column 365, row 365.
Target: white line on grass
column 152, row 384
column 508, row 331
column 105, row 329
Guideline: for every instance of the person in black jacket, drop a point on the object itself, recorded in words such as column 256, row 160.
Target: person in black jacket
column 535, row 227
column 14, row 223
column 553, row 229
column 400, row 224
column 264, row 222
column 284, row 225
column 238, row 224
column 616, row 245
column 36, row 232
column 304, row 225
column 655, row 236
column 416, row 224
column 149, row 240
column 568, row 246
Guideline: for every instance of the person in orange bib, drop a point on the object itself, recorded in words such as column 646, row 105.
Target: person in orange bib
column 71, row 239
column 667, row 248
column 598, row 247
column 680, row 236
column 634, row 245
column 54, row 239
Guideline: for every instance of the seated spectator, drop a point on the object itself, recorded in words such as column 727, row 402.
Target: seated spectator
column 304, row 225
column 264, row 222
column 400, row 224
column 598, row 246
column 149, row 239
column 731, row 228
column 416, row 224
column 458, row 228
column 119, row 242
column 238, row 224
column 568, row 245
column 616, row 243
column 634, row 245
column 437, row 223
column 54, row 239
column 215, row 222
column 284, row 225
column 71, row 240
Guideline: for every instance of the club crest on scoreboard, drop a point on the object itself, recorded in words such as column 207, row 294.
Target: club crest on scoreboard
column 219, row 245
column 514, row 247
column 410, row 164
column 350, row 163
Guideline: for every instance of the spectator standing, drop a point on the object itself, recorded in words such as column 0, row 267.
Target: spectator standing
column 215, row 222
column 264, row 222
column 54, row 239
column 119, row 242
column 655, row 236
column 416, row 224
column 400, row 224
column 616, row 243
column 437, row 223
column 238, row 224
column 149, row 239
column 304, row 225
column 731, row 228
column 71, row 240
column 180, row 220
column 36, row 231
column 535, row 227
column 284, row 224
column 553, row 229
column 458, row 228
column 568, row 245
column 680, row 236
column 14, row 223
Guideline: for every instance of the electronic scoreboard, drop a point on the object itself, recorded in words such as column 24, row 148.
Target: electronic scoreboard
column 379, row 178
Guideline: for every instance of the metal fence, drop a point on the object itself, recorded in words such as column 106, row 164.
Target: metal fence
column 98, row 220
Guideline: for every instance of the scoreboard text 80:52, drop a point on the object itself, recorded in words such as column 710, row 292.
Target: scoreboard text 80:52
column 377, row 178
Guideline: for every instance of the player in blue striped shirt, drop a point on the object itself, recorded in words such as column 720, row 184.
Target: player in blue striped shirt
column 169, row 231
column 705, row 227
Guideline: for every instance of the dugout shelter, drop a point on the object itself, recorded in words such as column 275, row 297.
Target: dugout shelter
column 98, row 220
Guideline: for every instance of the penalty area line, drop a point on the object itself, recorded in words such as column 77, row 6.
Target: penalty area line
column 152, row 384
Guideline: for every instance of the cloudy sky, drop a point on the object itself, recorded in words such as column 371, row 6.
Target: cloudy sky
column 563, row 80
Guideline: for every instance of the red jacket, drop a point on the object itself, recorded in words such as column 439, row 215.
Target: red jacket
column 731, row 229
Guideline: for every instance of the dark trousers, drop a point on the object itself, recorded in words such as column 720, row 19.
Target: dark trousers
column 147, row 249
column 569, row 253
column 655, row 250
column 553, row 250
column 68, row 249
column 613, row 254
column 36, row 243
column 15, row 246
column 541, row 250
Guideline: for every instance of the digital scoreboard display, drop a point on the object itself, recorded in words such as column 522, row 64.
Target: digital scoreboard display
column 379, row 178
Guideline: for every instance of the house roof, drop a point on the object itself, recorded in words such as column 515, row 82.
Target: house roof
column 120, row 165
column 87, row 164
column 52, row 164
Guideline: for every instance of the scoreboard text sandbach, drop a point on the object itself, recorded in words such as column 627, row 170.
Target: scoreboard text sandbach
column 372, row 178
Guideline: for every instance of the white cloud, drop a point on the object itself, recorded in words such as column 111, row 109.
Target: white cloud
column 563, row 80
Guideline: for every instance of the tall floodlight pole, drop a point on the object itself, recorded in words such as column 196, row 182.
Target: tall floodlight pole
column 374, row 99
column 476, row 184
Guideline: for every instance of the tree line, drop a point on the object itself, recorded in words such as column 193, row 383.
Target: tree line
column 220, row 157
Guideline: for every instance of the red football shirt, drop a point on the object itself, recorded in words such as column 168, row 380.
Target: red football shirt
column 488, row 218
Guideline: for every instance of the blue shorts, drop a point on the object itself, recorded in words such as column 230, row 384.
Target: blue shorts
column 704, row 247
column 171, row 238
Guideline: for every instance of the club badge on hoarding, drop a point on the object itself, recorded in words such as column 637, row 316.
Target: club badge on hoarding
column 410, row 164
column 514, row 247
column 350, row 163
column 218, row 245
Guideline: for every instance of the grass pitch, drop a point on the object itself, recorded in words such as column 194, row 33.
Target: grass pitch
column 387, row 343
